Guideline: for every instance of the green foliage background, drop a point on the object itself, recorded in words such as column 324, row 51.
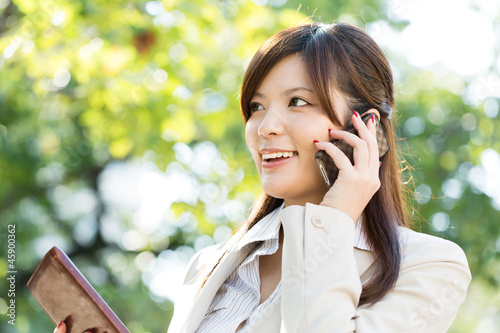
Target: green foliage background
column 86, row 85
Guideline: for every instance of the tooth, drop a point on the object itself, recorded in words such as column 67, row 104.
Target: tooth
column 285, row 154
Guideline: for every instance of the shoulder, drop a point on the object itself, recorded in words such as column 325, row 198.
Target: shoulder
column 433, row 255
column 200, row 259
column 416, row 244
column 431, row 286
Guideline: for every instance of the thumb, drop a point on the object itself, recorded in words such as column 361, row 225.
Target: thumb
column 61, row 328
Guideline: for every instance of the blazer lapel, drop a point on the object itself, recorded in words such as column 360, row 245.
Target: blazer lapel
column 193, row 313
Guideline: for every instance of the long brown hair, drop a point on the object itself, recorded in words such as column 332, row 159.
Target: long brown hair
column 340, row 58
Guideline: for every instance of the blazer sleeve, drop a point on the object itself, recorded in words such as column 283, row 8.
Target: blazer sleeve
column 321, row 284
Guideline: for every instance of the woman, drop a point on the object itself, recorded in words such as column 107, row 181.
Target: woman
column 312, row 259
column 308, row 259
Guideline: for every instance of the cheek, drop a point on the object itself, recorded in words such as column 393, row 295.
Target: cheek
column 321, row 127
column 305, row 135
column 251, row 139
column 249, row 133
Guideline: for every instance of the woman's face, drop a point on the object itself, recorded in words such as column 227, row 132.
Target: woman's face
column 286, row 119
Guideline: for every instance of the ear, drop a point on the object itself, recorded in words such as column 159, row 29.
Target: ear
column 374, row 111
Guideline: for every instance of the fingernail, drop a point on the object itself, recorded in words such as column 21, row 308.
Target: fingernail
column 379, row 164
column 355, row 113
column 316, row 141
column 373, row 118
column 60, row 324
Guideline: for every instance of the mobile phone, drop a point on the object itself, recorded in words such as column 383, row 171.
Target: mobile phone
column 327, row 167
column 64, row 294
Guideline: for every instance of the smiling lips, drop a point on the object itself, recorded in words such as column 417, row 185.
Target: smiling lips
column 279, row 158
column 278, row 154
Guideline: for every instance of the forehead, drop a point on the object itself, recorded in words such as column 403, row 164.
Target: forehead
column 288, row 73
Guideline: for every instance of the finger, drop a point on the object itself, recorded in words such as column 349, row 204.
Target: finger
column 371, row 125
column 367, row 132
column 338, row 156
column 373, row 147
column 360, row 148
column 61, row 328
column 365, row 128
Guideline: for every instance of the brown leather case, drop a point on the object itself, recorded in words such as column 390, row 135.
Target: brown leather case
column 64, row 294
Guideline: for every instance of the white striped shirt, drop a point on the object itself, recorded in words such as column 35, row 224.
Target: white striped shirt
column 239, row 296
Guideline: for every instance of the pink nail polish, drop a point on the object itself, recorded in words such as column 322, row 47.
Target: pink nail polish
column 355, row 113
column 60, row 324
column 373, row 118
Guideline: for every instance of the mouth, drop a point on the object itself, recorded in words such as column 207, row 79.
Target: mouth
column 278, row 156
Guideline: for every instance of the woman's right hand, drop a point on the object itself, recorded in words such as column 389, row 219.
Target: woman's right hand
column 356, row 184
column 61, row 328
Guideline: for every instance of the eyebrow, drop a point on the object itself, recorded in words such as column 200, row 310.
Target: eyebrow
column 286, row 92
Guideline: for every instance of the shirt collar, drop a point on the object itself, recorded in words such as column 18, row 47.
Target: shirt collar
column 268, row 229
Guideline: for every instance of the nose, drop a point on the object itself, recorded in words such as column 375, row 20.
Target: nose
column 271, row 124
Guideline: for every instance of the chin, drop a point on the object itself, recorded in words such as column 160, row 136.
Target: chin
column 277, row 192
column 283, row 189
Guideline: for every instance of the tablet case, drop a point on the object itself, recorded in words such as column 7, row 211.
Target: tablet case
column 64, row 294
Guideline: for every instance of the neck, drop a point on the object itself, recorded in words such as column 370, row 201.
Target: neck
column 316, row 200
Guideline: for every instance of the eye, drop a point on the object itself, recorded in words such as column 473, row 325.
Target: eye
column 254, row 106
column 297, row 102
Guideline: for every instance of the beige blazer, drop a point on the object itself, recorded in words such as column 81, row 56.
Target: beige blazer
column 322, row 278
